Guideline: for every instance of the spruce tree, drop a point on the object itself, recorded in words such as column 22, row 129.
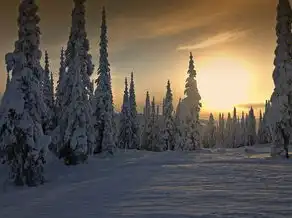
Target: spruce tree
column 125, row 133
column 103, row 99
column 243, row 130
column 168, row 131
column 228, row 132
column 210, row 133
column 282, row 76
column 193, row 105
column 59, row 102
column 266, row 124
column 234, row 128
column 48, row 96
column 145, row 143
column 260, row 134
column 178, row 128
column 75, row 129
column 251, row 128
column 133, row 115
column 22, row 141
column 153, row 137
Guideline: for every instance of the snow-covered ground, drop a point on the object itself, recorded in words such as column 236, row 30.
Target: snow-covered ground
column 220, row 183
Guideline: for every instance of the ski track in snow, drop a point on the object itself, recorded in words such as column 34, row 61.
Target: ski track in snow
column 158, row 185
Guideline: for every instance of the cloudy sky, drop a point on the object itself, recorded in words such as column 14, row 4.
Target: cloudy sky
column 232, row 42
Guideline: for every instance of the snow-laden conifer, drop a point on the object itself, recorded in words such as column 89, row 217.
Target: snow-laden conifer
column 76, row 130
column 48, row 96
column 133, row 115
column 104, row 123
column 125, row 133
column 168, row 122
column 192, row 104
column 22, row 142
column 74, row 135
column 178, row 128
column 251, row 128
column 281, row 98
column 147, row 124
column 228, row 132
column 59, row 102
column 210, row 133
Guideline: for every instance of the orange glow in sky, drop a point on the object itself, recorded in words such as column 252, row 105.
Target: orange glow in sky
column 223, row 82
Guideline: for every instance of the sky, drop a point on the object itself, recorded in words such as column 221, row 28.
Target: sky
column 232, row 43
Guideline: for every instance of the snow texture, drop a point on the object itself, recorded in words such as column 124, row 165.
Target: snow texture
column 230, row 183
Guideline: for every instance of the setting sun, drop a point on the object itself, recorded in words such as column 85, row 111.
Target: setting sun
column 223, row 83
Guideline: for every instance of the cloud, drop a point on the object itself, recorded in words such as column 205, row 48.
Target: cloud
column 216, row 39
column 254, row 105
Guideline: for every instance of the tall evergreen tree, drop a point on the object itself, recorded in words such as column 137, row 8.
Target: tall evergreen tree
column 147, row 107
column 210, row 133
column 168, row 131
column 282, row 76
column 133, row 115
column 78, row 32
column 234, row 129
column 251, row 128
column 145, row 143
column 103, row 99
column 75, row 128
column 60, row 87
column 266, row 124
column 48, row 96
column 125, row 132
column 22, row 142
column 243, row 130
column 178, row 128
column 193, row 105
column 228, row 132
column 153, row 137
column 260, row 135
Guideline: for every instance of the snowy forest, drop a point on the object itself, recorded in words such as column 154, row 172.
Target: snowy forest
column 74, row 117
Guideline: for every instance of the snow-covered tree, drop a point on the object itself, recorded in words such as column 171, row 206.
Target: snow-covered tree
column 260, row 135
column 234, row 129
column 266, row 124
column 242, row 130
column 48, row 96
column 209, row 138
column 281, row 98
column 22, row 142
column 192, row 104
column 146, row 127
column 251, row 128
column 125, row 133
column 59, row 102
column 178, row 128
column 228, row 132
column 153, row 125
column 147, row 107
column 75, row 128
column 133, row 115
column 168, row 125
column 103, row 99
column 48, row 92
column 78, row 32
column 221, row 130
column 77, row 137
